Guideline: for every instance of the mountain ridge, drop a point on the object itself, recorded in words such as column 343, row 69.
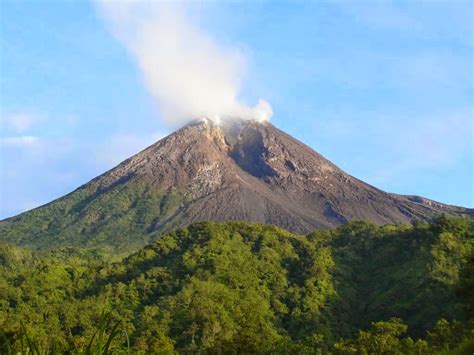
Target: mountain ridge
column 238, row 170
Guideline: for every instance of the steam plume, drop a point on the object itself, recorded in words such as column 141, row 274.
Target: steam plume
column 189, row 74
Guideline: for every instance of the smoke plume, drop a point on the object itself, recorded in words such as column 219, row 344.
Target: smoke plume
column 189, row 74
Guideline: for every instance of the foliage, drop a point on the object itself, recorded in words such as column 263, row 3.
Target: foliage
column 113, row 219
column 383, row 338
column 247, row 288
column 99, row 344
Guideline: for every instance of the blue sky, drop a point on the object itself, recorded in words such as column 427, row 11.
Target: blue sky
column 383, row 89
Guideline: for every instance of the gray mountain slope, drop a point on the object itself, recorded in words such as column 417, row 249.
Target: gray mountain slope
column 242, row 170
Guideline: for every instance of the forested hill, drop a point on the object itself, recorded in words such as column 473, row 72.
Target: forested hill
column 247, row 288
column 239, row 171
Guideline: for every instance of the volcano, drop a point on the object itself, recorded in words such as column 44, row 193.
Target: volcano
column 235, row 171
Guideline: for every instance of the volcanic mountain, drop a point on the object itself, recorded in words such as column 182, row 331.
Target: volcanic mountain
column 241, row 170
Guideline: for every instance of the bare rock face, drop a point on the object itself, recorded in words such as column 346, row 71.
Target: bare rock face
column 252, row 171
column 241, row 170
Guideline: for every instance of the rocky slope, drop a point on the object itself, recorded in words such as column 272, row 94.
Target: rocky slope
column 240, row 171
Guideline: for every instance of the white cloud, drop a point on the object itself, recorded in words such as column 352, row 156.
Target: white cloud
column 18, row 122
column 58, row 163
column 19, row 141
column 184, row 68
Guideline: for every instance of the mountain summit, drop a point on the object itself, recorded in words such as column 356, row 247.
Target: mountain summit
column 238, row 170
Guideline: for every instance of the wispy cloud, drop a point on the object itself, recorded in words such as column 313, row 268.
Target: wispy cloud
column 19, row 141
column 380, row 14
column 58, row 164
column 184, row 68
column 400, row 145
column 424, row 72
column 18, row 122
column 404, row 18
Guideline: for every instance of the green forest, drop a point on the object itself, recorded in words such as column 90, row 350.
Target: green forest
column 248, row 288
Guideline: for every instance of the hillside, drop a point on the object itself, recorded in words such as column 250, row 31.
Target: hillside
column 239, row 171
column 250, row 288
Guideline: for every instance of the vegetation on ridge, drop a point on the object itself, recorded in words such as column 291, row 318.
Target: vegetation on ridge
column 249, row 171
column 115, row 220
column 240, row 287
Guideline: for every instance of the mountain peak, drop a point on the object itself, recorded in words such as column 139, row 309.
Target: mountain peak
column 227, row 171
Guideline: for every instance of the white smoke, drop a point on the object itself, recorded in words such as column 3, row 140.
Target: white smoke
column 188, row 73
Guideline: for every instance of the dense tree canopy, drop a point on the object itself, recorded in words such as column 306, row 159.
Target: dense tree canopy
column 246, row 288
